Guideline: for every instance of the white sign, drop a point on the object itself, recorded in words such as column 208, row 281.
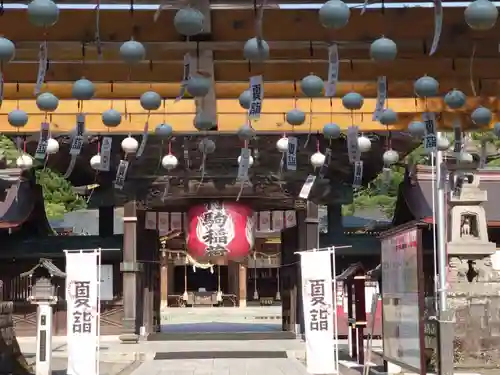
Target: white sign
column 106, row 283
column 77, row 142
column 381, row 97
column 41, row 148
column 142, row 147
column 333, row 70
column 185, row 76
column 42, row 66
column 121, row 174
column 353, row 150
column 257, row 91
column 319, row 312
column 107, row 144
column 291, row 154
column 307, row 187
column 430, row 138
column 83, row 310
column 244, row 164
column 358, row 174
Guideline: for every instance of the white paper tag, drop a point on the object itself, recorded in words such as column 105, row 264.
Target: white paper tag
column 438, row 26
column 145, row 134
column 457, row 135
column 324, row 168
column 41, row 148
column 430, row 138
column 185, row 76
column 244, row 164
column 77, row 142
column 257, row 90
column 333, row 70
column 306, row 188
column 381, row 97
column 358, row 174
column 291, row 154
column 42, row 67
column 121, row 174
column 353, row 150
column 106, row 145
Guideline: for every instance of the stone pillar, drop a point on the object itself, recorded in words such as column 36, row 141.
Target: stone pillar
column 129, row 268
column 106, row 221
column 242, row 285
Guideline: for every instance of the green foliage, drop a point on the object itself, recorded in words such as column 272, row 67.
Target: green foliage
column 57, row 191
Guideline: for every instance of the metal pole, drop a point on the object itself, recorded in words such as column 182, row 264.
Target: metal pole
column 444, row 316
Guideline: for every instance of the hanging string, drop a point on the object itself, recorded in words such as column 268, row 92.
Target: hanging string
column 219, row 291
column 282, row 161
column 295, row 98
column 166, row 190
column 97, row 171
column 471, row 70
column 310, row 122
column 243, row 181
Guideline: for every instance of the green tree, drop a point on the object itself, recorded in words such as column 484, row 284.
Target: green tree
column 58, row 193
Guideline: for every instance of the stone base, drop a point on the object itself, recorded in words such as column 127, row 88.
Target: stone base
column 129, row 338
column 471, row 248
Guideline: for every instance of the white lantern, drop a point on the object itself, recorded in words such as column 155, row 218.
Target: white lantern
column 364, row 144
column 52, row 146
column 250, row 160
column 130, row 145
column 169, row 162
column 282, row 144
column 24, row 162
column 95, row 162
column 390, row 157
column 317, row 159
column 465, row 157
column 442, row 143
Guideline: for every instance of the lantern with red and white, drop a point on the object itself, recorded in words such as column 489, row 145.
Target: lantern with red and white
column 220, row 229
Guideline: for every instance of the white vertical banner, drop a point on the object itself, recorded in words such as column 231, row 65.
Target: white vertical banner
column 291, row 154
column 176, row 221
column 257, row 90
column 333, row 70
column 264, row 221
column 430, row 137
column 381, row 97
column 82, row 298
column 278, row 221
column 163, row 223
column 150, row 221
column 319, row 312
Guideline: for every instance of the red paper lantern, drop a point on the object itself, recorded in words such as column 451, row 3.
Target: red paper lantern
column 220, row 229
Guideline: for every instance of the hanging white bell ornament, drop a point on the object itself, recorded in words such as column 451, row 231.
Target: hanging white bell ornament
column 250, row 160
column 132, row 52
column 331, row 131
column 317, row 159
column 52, row 146
column 312, row 86
column 206, row 146
column 481, row 15
column 203, row 122
column 383, row 49
column 295, row 117
column 426, row 86
column 150, row 101
column 465, row 157
column 255, row 50
column 83, row 89
column 169, row 162
column 455, row 99
column 43, row 13
column 282, row 144
column 130, row 145
column 442, row 143
column 334, row 14
column 388, row 117
column 390, row 157
column 353, row 101
column 164, row 131
column 111, row 118
column 198, row 86
column 17, row 118
column 364, row 144
column 95, row 162
column 245, row 99
column 189, row 21
column 47, row 102
column 24, row 162
column 416, row 128
column 246, row 132
column 481, row 116
column 7, row 50
column 496, row 129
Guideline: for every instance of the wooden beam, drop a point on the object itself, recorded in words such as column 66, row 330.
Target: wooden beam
column 231, row 116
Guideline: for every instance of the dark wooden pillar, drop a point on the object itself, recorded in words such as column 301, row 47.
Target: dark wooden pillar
column 129, row 268
column 289, row 245
column 335, row 225
column 106, row 221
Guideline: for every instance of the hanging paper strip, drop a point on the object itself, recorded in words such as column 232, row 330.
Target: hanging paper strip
column 438, row 25
column 142, row 147
column 430, row 137
column 150, row 221
column 365, row 4
column 277, row 221
column 457, row 134
column 42, row 67
column 264, row 221
column 257, row 90
column 324, row 168
column 381, row 97
column 163, row 223
column 244, row 164
column 483, row 156
column 121, row 174
column 291, row 154
column 353, row 150
column 106, row 145
column 358, row 174
column 76, row 143
column 175, row 221
column 290, row 218
column 333, row 70
column 185, row 76
column 41, row 148
column 306, row 188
